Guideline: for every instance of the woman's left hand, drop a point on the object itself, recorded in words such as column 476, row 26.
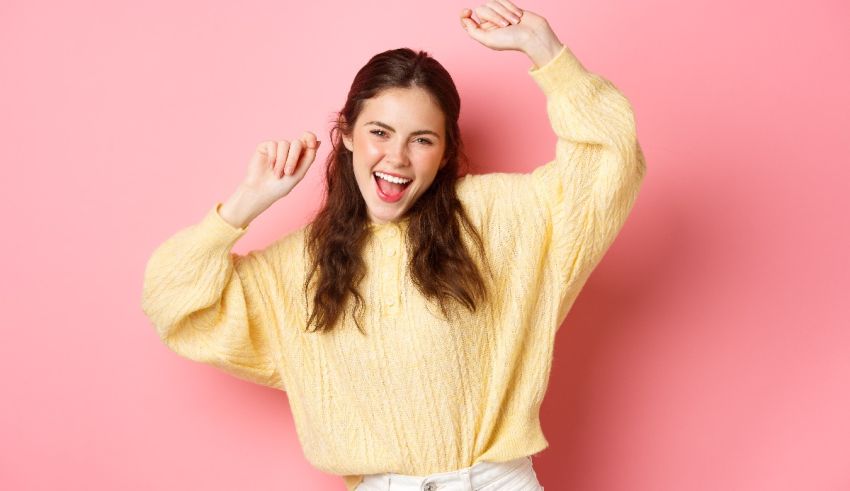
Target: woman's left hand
column 501, row 25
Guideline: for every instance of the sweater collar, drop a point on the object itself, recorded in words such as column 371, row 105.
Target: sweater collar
column 398, row 225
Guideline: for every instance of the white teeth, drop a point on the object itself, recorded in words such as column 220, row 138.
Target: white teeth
column 387, row 177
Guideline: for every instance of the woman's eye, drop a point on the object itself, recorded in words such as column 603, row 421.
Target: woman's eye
column 381, row 133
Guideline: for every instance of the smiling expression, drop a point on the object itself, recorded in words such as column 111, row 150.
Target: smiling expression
column 399, row 132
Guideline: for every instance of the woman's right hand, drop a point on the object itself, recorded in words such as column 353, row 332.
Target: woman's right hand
column 277, row 166
column 273, row 171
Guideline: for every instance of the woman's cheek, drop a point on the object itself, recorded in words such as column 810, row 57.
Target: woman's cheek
column 373, row 150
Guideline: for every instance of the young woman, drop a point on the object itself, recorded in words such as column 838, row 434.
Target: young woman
column 412, row 322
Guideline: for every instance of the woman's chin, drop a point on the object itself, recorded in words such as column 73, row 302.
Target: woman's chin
column 384, row 216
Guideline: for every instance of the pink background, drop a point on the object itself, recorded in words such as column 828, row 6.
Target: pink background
column 710, row 350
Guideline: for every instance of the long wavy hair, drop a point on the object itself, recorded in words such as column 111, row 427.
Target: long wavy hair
column 440, row 266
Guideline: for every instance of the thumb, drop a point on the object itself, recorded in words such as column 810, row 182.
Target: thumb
column 471, row 28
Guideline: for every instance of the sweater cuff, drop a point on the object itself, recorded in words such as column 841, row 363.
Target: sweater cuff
column 562, row 70
column 217, row 230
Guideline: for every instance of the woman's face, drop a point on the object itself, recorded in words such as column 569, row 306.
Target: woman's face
column 399, row 132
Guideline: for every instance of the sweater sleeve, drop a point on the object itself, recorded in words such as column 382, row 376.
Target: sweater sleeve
column 588, row 189
column 575, row 204
column 211, row 305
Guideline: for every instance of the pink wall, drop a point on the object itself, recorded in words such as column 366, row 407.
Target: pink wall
column 710, row 350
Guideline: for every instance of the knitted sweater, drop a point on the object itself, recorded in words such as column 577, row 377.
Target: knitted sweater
column 417, row 394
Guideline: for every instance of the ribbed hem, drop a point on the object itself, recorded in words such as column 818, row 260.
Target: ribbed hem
column 563, row 69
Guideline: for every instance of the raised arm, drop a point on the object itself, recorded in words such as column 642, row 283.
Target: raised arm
column 577, row 203
column 213, row 306
column 217, row 307
column 591, row 185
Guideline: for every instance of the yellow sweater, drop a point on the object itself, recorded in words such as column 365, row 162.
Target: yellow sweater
column 417, row 395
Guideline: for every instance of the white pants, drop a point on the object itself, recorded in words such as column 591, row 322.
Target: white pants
column 513, row 475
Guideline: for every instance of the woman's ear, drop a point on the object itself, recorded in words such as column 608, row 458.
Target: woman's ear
column 346, row 140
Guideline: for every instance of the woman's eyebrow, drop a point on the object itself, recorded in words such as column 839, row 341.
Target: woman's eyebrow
column 417, row 132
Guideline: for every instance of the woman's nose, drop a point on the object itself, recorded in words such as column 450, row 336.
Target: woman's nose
column 397, row 153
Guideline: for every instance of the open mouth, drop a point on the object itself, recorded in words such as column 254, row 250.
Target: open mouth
column 390, row 188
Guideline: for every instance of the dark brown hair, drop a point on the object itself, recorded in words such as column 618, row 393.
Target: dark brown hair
column 440, row 265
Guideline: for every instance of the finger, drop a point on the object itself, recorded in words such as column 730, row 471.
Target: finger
column 292, row 158
column 282, row 147
column 482, row 25
column 473, row 30
column 277, row 167
column 486, row 13
column 310, row 139
column 513, row 8
column 470, row 25
column 466, row 19
column 269, row 152
column 263, row 150
column 489, row 26
column 308, row 156
column 504, row 12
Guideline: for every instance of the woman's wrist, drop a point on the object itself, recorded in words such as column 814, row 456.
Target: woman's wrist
column 542, row 51
column 241, row 208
